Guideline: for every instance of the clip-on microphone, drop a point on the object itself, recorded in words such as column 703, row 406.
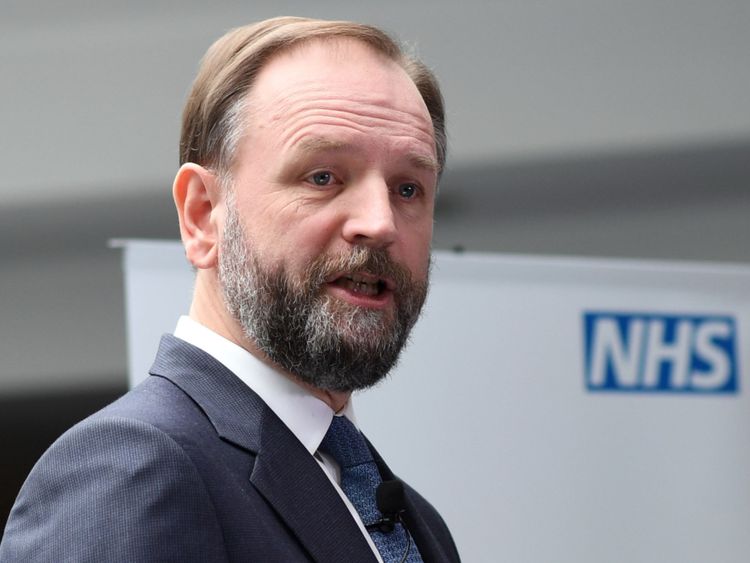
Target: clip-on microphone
column 389, row 497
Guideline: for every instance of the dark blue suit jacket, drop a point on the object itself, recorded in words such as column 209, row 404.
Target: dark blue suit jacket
column 191, row 465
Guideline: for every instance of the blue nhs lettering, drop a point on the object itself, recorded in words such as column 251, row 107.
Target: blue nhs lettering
column 660, row 353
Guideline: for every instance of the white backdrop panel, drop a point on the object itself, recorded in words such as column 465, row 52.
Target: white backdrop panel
column 488, row 413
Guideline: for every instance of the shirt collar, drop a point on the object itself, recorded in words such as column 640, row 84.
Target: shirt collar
column 305, row 415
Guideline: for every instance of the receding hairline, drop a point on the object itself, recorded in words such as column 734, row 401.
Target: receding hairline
column 336, row 43
column 213, row 112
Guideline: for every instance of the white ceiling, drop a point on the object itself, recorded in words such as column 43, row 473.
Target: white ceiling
column 92, row 91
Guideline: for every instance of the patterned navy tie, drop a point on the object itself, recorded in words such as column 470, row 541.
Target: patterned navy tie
column 359, row 481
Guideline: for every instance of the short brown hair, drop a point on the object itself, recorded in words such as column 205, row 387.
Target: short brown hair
column 212, row 118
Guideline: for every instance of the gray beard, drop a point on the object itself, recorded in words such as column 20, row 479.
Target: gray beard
column 325, row 342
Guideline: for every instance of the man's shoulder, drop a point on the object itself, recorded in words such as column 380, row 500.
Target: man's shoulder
column 148, row 425
column 153, row 420
column 107, row 476
column 156, row 401
column 131, row 430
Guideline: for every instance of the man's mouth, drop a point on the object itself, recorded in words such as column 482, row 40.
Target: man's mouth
column 362, row 284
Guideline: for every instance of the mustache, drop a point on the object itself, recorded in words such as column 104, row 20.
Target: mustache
column 374, row 261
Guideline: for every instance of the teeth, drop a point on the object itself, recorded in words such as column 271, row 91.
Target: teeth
column 359, row 279
column 357, row 284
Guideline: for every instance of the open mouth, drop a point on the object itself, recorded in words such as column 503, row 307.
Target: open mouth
column 362, row 284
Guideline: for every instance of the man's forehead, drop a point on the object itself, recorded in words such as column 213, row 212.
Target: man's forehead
column 337, row 79
column 340, row 59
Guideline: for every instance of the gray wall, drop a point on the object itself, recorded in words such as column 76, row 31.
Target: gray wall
column 576, row 127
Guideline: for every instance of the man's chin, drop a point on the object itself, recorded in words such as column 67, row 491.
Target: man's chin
column 357, row 325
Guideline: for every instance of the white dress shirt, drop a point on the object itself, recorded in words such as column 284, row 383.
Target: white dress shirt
column 305, row 415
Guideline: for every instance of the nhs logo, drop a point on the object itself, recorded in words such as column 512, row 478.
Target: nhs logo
column 660, row 353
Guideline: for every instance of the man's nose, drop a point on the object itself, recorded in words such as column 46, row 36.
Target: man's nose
column 370, row 218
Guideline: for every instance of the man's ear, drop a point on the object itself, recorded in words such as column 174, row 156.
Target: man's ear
column 197, row 196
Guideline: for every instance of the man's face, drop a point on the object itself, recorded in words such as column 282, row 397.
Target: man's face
column 325, row 251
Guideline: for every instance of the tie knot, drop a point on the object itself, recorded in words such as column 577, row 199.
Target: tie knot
column 345, row 443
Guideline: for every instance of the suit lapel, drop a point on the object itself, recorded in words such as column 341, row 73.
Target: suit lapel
column 293, row 482
column 423, row 534
column 232, row 407
column 284, row 473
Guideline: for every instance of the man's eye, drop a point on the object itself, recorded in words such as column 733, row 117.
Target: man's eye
column 323, row 178
column 407, row 191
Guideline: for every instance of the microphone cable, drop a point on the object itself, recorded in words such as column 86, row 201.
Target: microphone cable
column 408, row 542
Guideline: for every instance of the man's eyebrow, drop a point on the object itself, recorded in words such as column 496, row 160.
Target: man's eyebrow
column 319, row 144
column 424, row 162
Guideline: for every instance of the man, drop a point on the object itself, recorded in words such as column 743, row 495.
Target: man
column 310, row 157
